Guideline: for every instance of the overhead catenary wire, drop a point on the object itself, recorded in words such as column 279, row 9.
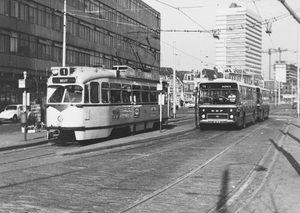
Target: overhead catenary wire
column 265, row 22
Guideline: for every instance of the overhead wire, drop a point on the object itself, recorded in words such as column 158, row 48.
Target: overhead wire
column 180, row 10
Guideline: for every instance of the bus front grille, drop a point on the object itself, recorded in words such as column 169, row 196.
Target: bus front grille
column 217, row 116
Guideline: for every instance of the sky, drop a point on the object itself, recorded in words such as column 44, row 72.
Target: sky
column 196, row 50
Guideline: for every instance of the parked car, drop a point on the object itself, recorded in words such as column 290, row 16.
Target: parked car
column 190, row 104
column 11, row 113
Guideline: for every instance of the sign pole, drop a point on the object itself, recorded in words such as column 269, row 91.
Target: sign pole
column 160, row 101
column 196, row 106
column 160, row 111
column 25, row 107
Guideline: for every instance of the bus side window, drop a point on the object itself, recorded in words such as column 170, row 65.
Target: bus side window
column 115, row 93
column 104, row 92
column 94, row 92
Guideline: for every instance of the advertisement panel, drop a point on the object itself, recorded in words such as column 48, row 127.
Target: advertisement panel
column 280, row 72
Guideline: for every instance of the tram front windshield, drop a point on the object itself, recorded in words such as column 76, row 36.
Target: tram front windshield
column 64, row 94
column 219, row 96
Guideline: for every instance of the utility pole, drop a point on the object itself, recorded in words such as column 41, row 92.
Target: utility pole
column 64, row 34
column 295, row 16
column 174, row 80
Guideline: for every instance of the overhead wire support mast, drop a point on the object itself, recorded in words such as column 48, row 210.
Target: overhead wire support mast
column 295, row 16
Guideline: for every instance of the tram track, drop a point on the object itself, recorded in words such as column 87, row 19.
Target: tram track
column 102, row 166
column 140, row 161
column 192, row 172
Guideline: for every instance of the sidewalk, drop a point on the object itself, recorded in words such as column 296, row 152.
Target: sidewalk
column 280, row 192
column 17, row 140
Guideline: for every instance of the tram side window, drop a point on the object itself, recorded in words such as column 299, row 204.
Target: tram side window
column 94, row 92
column 145, row 94
column 153, row 95
column 115, row 93
column 136, row 93
column 104, row 92
column 86, row 94
column 126, row 93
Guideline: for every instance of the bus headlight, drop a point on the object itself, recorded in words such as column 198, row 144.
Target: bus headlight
column 231, row 110
column 60, row 118
column 231, row 116
column 203, row 116
column 203, row 110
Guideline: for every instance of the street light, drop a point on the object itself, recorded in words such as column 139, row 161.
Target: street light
column 174, row 80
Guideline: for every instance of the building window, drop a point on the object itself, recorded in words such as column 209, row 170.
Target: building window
column 14, row 42
column 4, row 43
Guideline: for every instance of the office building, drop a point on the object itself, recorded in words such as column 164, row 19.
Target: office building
column 238, row 40
column 99, row 32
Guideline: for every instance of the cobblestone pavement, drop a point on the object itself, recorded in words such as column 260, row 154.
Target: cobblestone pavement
column 279, row 193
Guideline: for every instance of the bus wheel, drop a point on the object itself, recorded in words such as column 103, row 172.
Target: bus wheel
column 254, row 118
column 243, row 126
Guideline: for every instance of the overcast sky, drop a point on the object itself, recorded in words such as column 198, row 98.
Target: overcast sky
column 192, row 48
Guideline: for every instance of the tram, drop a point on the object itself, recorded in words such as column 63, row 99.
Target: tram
column 85, row 103
column 224, row 101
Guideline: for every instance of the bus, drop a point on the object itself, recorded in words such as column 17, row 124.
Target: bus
column 263, row 103
column 85, row 103
column 224, row 101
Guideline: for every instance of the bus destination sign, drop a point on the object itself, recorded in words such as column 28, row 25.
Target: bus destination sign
column 64, row 80
column 218, row 85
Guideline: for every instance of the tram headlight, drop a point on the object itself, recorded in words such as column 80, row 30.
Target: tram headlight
column 60, row 118
column 55, row 72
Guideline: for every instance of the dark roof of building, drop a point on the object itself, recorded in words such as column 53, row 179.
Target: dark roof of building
column 167, row 71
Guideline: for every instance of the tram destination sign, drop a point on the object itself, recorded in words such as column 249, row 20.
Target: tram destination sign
column 64, row 80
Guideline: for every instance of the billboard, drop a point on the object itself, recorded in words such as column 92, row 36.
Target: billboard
column 280, row 72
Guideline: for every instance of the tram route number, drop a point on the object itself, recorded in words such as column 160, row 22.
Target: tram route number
column 116, row 114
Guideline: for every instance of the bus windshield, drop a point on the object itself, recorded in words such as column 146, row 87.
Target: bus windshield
column 65, row 94
column 218, row 96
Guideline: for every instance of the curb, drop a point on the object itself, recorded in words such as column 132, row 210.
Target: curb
column 20, row 146
column 116, row 142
